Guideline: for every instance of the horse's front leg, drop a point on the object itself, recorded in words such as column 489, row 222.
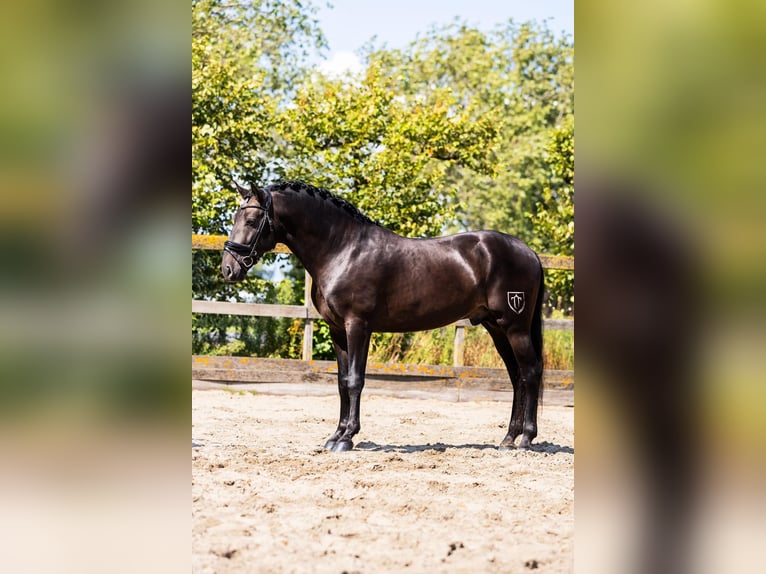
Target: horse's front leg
column 358, row 339
column 341, row 354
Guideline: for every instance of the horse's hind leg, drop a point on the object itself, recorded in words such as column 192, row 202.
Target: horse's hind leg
column 530, row 379
column 504, row 349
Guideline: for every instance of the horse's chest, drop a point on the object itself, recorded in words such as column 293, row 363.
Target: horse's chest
column 328, row 304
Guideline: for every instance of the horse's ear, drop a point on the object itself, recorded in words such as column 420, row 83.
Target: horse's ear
column 264, row 197
column 242, row 191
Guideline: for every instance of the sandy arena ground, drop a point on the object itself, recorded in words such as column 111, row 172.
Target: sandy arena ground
column 425, row 490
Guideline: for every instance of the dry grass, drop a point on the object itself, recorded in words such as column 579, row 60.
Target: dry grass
column 436, row 348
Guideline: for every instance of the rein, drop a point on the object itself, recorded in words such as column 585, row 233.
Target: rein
column 247, row 255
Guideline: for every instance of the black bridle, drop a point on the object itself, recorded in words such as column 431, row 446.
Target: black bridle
column 247, row 255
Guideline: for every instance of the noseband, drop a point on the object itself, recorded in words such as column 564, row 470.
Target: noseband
column 247, row 255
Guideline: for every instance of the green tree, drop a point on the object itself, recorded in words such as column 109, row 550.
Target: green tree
column 553, row 217
column 389, row 153
column 247, row 57
column 521, row 77
column 554, row 213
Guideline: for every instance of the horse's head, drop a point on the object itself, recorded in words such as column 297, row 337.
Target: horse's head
column 252, row 234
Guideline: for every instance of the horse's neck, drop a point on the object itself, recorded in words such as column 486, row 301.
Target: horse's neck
column 312, row 237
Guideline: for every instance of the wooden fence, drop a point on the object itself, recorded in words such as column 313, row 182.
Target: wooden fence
column 308, row 313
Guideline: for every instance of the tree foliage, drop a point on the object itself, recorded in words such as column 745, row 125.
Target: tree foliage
column 247, row 57
column 388, row 153
column 519, row 75
column 553, row 217
column 256, row 116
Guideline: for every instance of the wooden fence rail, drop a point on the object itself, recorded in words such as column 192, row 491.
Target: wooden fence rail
column 307, row 311
column 418, row 377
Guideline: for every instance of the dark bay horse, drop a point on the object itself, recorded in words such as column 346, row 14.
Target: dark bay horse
column 367, row 278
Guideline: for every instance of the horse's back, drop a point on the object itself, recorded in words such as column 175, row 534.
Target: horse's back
column 498, row 253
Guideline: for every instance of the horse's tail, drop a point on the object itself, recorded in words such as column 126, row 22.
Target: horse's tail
column 537, row 330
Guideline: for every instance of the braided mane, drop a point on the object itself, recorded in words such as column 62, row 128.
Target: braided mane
column 303, row 187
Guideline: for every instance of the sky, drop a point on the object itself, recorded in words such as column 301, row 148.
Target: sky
column 349, row 24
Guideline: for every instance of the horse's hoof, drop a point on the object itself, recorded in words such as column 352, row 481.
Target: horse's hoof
column 329, row 445
column 343, row 446
column 507, row 444
column 524, row 443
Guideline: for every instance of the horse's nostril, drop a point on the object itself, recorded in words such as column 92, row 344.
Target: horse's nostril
column 229, row 271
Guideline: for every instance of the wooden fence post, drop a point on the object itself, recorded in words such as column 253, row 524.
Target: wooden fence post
column 459, row 351
column 308, row 330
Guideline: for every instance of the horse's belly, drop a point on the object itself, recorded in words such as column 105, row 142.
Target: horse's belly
column 417, row 320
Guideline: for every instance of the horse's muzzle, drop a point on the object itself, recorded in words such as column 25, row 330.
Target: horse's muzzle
column 231, row 270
